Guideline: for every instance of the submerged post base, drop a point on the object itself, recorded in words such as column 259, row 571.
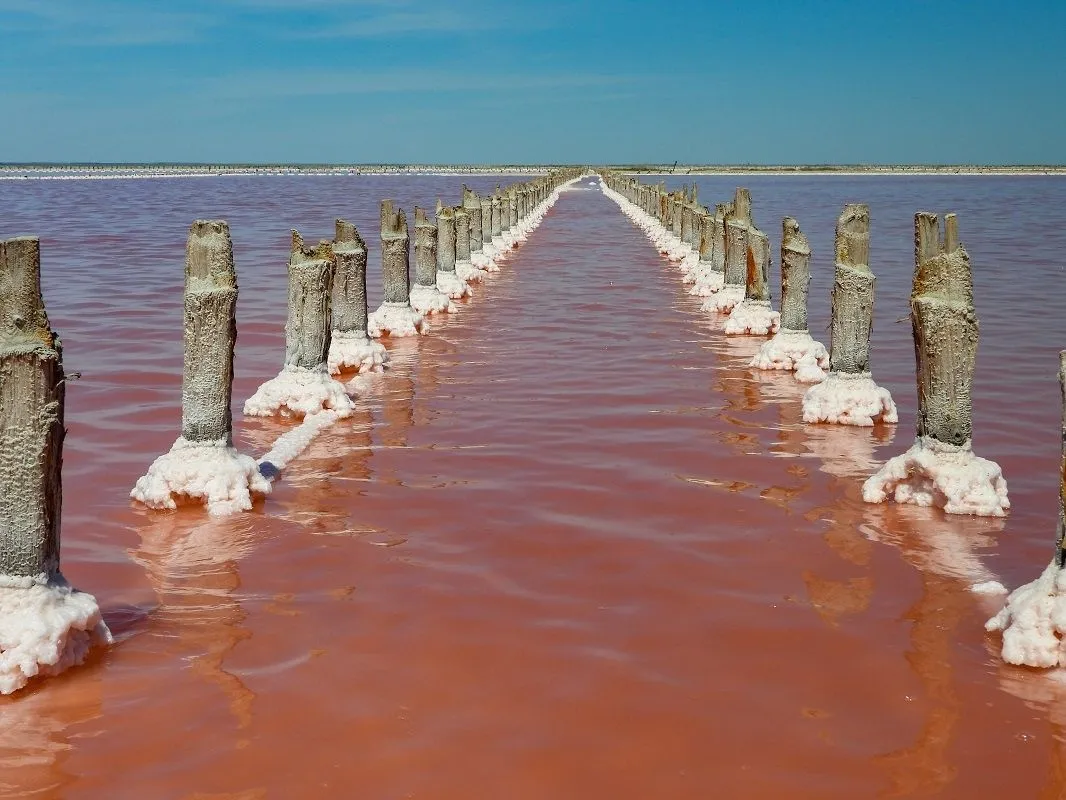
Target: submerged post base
column 467, row 272
column 849, row 399
column 299, row 392
column 725, row 300
column 484, row 262
column 46, row 627
column 450, row 284
column 794, row 350
column 211, row 472
column 355, row 350
column 430, row 300
column 752, row 318
column 950, row 477
column 1033, row 621
column 395, row 319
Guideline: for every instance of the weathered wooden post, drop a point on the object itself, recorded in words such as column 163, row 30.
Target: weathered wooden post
column 203, row 464
column 738, row 223
column 395, row 316
column 792, row 348
column 754, row 315
column 488, row 250
column 1033, row 620
column 46, row 626
column 472, row 205
column 304, row 386
column 710, row 272
column 496, row 220
column 464, row 267
column 448, row 282
column 848, row 395
column 425, row 297
column 940, row 468
column 350, row 346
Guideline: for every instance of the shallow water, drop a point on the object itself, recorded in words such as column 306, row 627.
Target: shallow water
column 569, row 546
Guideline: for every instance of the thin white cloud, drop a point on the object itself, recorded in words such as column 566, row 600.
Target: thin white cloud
column 102, row 23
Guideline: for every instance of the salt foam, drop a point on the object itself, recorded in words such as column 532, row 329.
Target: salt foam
column 298, row 391
column 355, row 350
column 395, row 319
column 752, row 318
column 847, row 399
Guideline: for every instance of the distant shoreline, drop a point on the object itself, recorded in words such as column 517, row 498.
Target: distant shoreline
column 76, row 171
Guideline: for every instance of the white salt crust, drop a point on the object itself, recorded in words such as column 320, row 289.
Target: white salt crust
column 450, row 284
column 483, row 261
column 708, row 283
column 498, row 244
column 395, row 319
column 752, row 318
column 990, row 588
column 950, row 477
column 355, row 350
column 1033, row 621
column 291, row 443
column 213, row 472
column 298, row 391
column 689, row 263
column 46, row 627
column 724, row 300
column 467, row 272
column 429, row 300
column 846, row 399
column 794, row 350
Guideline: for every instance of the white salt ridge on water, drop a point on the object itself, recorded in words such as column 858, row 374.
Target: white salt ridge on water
column 724, row 300
column 950, row 477
column 298, row 391
column 450, row 284
column 794, row 350
column 213, row 472
column 430, row 300
column 752, row 318
column 291, row 443
column 1033, row 621
column 46, row 626
column 846, row 399
column 395, row 319
column 355, row 350
column 707, row 283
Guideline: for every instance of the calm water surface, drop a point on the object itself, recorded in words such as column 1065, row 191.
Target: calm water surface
column 568, row 547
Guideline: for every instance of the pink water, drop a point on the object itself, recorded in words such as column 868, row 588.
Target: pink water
column 568, row 547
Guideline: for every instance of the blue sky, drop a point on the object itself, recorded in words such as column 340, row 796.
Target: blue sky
column 713, row 81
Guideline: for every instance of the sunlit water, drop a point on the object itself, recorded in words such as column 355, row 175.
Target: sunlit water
column 568, row 547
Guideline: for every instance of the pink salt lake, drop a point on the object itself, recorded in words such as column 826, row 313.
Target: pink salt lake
column 568, row 547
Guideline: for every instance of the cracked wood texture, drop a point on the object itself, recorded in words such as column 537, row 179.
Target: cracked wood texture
column 210, row 331
column 945, row 327
column 757, row 280
column 307, row 327
column 425, row 249
column 31, row 417
column 853, row 293
column 445, row 238
column 795, row 275
column 348, row 306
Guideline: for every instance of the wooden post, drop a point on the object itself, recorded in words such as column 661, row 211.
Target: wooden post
column 395, row 254
column 462, row 235
column 496, row 221
column 795, row 276
column 472, row 204
column 736, row 252
column 757, row 280
column 445, row 238
column 31, row 419
column 486, row 221
column 307, row 329
column 853, row 293
column 945, row 331
column 425, row 250
column 349, row 308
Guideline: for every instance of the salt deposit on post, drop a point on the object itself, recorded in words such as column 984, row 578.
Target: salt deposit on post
column 792, row 348
column 737, row 224
column 203, row 464
column 488, row 249
column 848, row 395
column 350, row 346
column 448, row 282
column 395, row 317
column 754, row 315
column 496, row 221
column 940, row 469
column 464, row 267
column 46, row 626
column 1033, row 620
column 425, row 297
column 304, row 385
column 472, row 206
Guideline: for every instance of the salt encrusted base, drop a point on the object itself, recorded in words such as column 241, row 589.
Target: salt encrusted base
column 490, row 250
column 484, row 262
column 46, row 627
column 467, row 272
column 213, row 472
column 794, row 350
column 429, row 300
column 395, row 319
column 450, row 284
column 950, row 477
column 752, row 318
column 354, row 350
column 724, row 300
column 689, row 263
column 708, row 283
column 500, row 244
column 298, row 391
column 291, row 443
column 846, row 399
column 1033, row 621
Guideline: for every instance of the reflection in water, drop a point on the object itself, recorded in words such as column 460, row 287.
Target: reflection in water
column 1044, row 691
column 192, row 562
